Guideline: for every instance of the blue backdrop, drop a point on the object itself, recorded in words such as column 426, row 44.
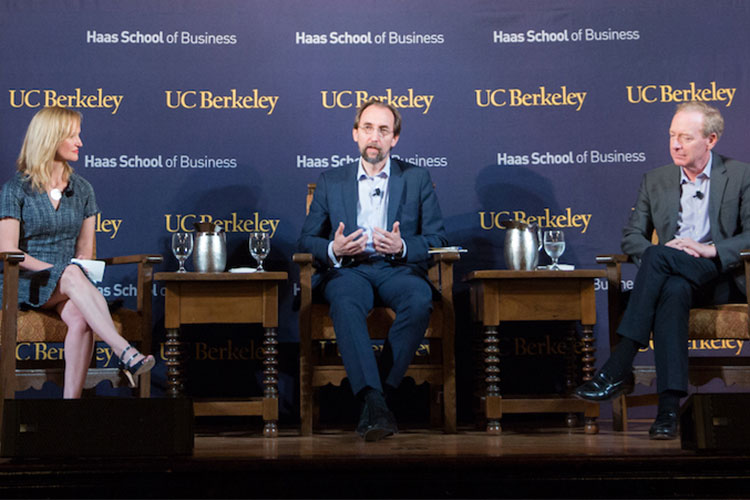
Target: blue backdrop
column 542, row 110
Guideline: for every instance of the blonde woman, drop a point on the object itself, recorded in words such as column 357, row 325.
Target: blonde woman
column 48, row 212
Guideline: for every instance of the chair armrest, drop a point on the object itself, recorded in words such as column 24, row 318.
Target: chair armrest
column 11, row 261
column 446, row 257
column 12, row 257
column 9, row 326
column 613, row 259
column 745, row 256
column 614, row 272
column 305, row 263
column 615, row 299
column 441, row 273
column 146, row 264
column 134, row 259
column 303, row 258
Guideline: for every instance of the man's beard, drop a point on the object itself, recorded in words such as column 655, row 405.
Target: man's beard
column 380, row 156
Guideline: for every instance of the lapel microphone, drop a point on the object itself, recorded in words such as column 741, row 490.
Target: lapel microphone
column 378, row 192
column 698, row 195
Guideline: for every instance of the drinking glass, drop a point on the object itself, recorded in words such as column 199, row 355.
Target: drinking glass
column 182, row 247
column 260, row 245
column 554, row 245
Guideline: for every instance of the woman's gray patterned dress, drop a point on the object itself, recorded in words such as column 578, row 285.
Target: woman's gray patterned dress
column 47, row 234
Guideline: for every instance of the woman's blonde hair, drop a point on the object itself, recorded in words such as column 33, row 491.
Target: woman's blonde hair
column 49, row 127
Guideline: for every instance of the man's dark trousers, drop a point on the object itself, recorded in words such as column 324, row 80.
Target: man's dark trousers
column 351, row 293
column 668, row 283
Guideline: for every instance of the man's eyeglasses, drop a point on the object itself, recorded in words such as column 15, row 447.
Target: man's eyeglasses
column 383, row 132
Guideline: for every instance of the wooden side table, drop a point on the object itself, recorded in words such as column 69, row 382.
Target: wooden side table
column 199, row 298
column 542, row 295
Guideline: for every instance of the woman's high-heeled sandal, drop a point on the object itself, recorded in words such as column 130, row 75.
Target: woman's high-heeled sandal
column 132, row 371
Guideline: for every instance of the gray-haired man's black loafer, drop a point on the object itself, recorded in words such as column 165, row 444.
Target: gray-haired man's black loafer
column 603, row 388
column 666, row 426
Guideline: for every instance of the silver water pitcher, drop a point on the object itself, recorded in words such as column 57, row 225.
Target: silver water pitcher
column 210, row 253
column 522, row 245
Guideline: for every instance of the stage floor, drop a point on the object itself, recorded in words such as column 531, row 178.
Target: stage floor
column 524, row 462
column 516, row 441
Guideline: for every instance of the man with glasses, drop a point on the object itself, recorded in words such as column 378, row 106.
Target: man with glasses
column 369, row 228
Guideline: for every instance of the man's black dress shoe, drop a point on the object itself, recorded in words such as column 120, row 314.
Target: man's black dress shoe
column 603, row 388
column 376, row 421
column 666, row 426
column 364, row 420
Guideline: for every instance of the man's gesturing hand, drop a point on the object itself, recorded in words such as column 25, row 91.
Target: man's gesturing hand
column 388, row 242
column 348, row 245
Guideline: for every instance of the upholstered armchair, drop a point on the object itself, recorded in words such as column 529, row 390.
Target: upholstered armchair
column 32, row 326
column 728, row 321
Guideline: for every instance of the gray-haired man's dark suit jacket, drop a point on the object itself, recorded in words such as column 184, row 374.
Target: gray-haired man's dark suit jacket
column 658, row 208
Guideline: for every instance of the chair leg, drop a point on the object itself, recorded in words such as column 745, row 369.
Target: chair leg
column 449, row 379
column 306, row 408
column 144, row 386
column 436, row 406
column 2, row 416
column 620, row 414
column 315, row 409
column 449, row 407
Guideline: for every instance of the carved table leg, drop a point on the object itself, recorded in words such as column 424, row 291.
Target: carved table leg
column 270, row 383
column 175, row 388
column 571, row 367
column 589, row 352
column 493, row 400
column 591, row 426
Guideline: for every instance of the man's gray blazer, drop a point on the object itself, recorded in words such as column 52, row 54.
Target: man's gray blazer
column 658, row 208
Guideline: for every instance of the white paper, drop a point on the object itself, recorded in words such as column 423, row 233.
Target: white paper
column 242, row 270
column 94, row 268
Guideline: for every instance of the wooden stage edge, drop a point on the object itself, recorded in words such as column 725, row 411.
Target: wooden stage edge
column 523, row 462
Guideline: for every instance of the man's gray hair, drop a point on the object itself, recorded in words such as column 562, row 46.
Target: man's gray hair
column 713, row 122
